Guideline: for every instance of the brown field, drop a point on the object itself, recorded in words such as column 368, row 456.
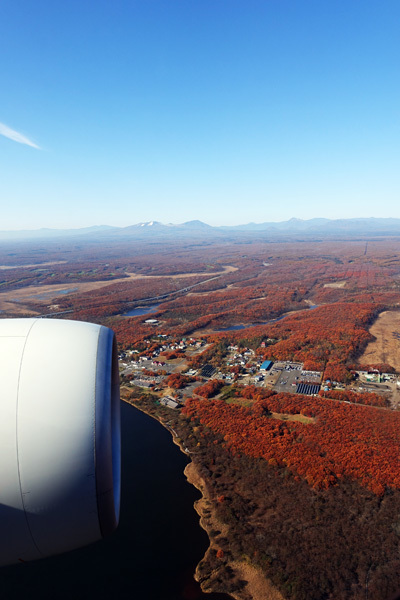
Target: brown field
column 181, row 275
column 288, row 417
column 44, row 264
column 336, row 284
column 386, row 347
column 13, row 300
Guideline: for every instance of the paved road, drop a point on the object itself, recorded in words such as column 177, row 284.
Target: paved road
column 135, row 303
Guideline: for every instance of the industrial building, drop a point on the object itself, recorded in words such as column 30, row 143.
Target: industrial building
column 267, row 364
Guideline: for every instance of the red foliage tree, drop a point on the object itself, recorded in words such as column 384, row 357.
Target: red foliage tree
column 209, row 389
column 178, row 381
column 344, row 440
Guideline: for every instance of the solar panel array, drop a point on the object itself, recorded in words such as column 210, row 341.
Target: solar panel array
column 207, row 371
column 309, row 389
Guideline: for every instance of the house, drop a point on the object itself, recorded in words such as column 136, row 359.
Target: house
column 169, row 402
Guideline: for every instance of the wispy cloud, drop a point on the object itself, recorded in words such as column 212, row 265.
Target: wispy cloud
column 11, row 134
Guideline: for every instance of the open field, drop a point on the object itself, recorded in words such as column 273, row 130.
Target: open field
column 227, row 269
column 386, row 347
column 44, row 264
column 336, row 284
column 288, row 417
column 12, row 301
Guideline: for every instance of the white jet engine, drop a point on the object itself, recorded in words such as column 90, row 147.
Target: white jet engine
column 59, row 437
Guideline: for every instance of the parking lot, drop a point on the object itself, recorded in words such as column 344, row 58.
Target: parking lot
column 291, row 374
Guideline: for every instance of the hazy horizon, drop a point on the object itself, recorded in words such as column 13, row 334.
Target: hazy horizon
column 382, row 225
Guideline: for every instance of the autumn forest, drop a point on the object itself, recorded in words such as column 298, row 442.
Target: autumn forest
column 304, row 488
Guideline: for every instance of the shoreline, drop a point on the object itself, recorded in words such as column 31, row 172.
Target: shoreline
column 257, row 586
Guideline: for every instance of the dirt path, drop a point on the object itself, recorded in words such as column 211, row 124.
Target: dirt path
column 386, row 347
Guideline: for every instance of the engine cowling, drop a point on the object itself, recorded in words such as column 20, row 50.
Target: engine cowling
column 59, row 436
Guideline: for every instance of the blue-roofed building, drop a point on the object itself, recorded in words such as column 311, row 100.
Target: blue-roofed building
column 267, row 364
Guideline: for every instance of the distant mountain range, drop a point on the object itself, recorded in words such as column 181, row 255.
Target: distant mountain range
column 198, row 229
column 359, row 225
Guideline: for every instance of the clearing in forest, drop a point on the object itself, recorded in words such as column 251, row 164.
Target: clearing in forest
column 288, row 417
column 386, row 347
column 335, row 284
column 274, row 415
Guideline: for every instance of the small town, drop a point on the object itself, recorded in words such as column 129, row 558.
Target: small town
column 152, row 368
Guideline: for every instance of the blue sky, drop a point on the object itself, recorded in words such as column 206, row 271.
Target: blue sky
column 120, row 111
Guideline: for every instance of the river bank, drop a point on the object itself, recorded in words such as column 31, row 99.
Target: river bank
column 257, row 586
column 254, row 585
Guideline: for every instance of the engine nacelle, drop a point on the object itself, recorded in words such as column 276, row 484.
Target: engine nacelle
column 59, row 437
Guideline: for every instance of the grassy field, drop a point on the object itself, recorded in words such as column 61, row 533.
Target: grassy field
column 386, row 347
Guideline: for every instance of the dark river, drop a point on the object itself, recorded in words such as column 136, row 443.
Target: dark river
column 238, row 327
column 152, row 555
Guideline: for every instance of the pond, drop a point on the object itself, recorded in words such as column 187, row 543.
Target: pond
column 141, row 310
